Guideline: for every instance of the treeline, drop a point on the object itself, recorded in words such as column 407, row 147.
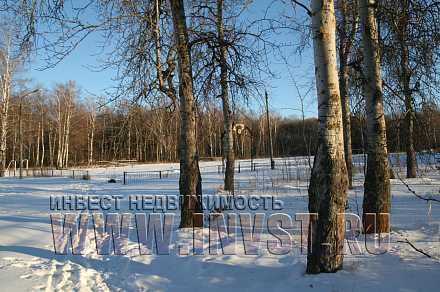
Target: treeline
column 60, row 128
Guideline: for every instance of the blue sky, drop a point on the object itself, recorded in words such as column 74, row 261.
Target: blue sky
column 283, row 94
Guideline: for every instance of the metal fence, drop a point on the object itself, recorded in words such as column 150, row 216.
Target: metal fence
column 257, row 174
column 265, row 178
column 80, row 174
column 279, row 163
column 48, row 172
column 134, row 177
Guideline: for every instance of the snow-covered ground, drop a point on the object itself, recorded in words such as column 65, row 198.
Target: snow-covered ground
column 28, row 261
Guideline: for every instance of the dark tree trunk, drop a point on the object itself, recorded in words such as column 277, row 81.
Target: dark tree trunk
column 411, row 163
column 190, row 182
column 228, row 136
column 346, row 115
column 377, row 183
column 346, row 38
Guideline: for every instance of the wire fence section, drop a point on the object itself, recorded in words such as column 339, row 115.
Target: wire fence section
column 295, row 172
column 138, row 177
column 248, row 173
column 426, row 162
column 257, row 174
column 49, row 172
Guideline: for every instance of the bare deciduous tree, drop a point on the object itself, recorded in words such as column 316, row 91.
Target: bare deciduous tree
column 377, row 182
column 347, row 28
column 228, row 135
column 64, row 95
column 91, row 122
column 10, row 59
column 328, row 184
column 190, row 182
column 411, row 49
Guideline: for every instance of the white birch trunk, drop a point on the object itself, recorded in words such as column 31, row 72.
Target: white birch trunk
column 37, row 154
column 329, row 182
column 42, row 142
column 5, row 84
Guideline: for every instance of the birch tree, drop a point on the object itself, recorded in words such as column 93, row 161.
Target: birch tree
column 64, row 95
column 328, row 184
column 9, row 60
column 91, row 122
column 6, row 76
column 43, row 149
column 377, row 182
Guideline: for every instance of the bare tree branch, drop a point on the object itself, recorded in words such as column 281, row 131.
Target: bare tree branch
column 309, row 13
column 416, row 249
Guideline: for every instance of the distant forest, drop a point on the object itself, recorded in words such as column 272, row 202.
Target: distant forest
column 61, row 129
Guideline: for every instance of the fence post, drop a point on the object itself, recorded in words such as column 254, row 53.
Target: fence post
column 124, row 177
column 160, row 174
column 239, row 167
column 73, row 174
